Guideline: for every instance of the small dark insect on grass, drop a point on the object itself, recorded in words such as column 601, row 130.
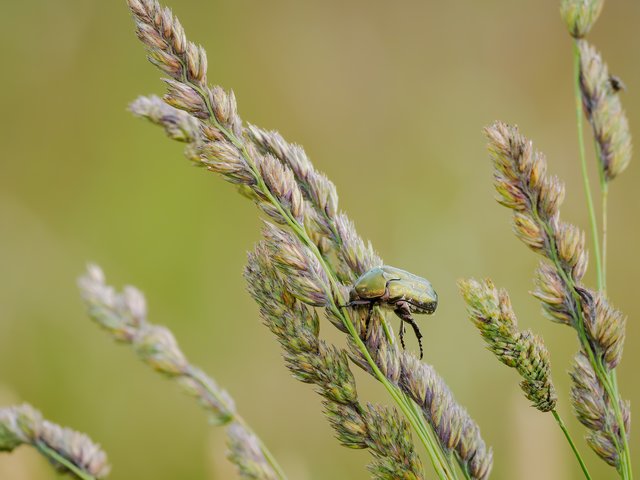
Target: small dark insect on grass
column 397, row 290
column 617, row 84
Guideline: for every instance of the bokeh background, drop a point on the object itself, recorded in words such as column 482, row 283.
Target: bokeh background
column 389, row 99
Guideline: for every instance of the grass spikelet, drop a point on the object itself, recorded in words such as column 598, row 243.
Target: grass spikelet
column 177, row 124
column 551, row 290
column 491, row 312
column 69, row 452
column 124, row 316
column 602, row 106
column 246, row 453
column 591, row 404
column 606, row 325
column 580, row 15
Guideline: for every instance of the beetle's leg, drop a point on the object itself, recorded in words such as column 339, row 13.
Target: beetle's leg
column 368, row 321
column 416, row 330
column 402, row 333
column 356, row 303
column 402, row 310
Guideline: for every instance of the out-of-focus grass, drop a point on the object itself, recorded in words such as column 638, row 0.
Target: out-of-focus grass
column 389, row 101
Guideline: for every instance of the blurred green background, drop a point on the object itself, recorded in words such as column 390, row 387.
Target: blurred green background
column 389, row 99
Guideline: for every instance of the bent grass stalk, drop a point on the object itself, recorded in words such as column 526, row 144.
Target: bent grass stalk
column 272, row 188
column 124, row 317
column 340, row 311
column 52, row 455
column 436, row 455
column 68, row 451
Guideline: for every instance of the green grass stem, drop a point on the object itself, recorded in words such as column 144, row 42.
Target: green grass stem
column 583, row 162
column 563, row 427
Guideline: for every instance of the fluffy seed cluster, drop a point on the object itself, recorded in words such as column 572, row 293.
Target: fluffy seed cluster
column 522, row 185
column 282, row 181
column 313, row 361
column 24, row 425
column 580, row 15
column 602, row 106
column 124, row 316
column 491, row 312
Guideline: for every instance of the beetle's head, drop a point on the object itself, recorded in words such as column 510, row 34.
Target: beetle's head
column 424, row 300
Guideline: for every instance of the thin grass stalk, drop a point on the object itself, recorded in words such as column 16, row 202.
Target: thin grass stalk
column 567, row 435
column 275, row 191
column 600, row 92
column 491, row 312
column 596, row 92
column 593, row 223
column 612, row 138
column 605, row 196
column 69, row 452
column 124, row 317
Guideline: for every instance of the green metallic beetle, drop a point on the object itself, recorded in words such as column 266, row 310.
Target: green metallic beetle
column 397, row 290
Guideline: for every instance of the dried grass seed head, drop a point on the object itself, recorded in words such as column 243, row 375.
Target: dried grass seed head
column 23, row 424
column 592, row 407
column 601, row 102
column 246, row 454
column 521, row 179
column 551, row 290
column 606, row 328
column 522, row 185
column 306, row 279
column 177, row 124
column 124, row 316
column 166, row 42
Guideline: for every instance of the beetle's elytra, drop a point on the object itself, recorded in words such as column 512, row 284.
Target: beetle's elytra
column 397, row 290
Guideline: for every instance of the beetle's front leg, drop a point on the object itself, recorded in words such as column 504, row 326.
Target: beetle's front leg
column 403, row 311
column 357, row 303
column 368, row 321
